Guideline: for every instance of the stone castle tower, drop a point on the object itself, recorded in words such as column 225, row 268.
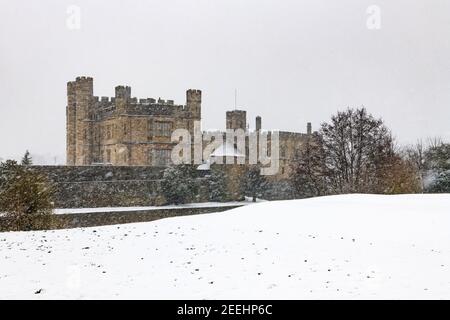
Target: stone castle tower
column 236, row 119
column 123, row 130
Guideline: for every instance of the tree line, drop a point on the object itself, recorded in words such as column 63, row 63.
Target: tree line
column 356, row 153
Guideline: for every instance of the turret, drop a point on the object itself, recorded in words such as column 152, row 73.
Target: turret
column 123, row 92
column 71, row 124
column 79, row 128
column 194, row 103
column 308, row 128
column 122, row 98
column 236, row 119
column 258, row 123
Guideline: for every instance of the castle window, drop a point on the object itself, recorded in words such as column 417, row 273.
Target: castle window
column 162, row 129
column 108, row 156
column 161, row 157
column 109, row 132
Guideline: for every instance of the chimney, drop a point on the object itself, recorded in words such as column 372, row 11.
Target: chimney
column 308, row 128
column 258, row 123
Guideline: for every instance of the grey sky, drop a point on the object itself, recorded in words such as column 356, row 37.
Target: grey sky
column 291, row 62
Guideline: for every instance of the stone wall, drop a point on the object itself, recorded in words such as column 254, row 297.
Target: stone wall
column 93, row 219
column 99, row 173
column 120, row 130
column 280, row 190
column 104, row 186
column 119, row 186
column 109, row 186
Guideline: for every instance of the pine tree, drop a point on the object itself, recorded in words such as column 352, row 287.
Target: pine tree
column 437, row 167
column 27, row 160
column 254, row 183
column 440, row 183
column 178, row 184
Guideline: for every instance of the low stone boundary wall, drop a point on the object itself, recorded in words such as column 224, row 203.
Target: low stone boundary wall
column 102, row 186
column 130, row 186
column 94, row 219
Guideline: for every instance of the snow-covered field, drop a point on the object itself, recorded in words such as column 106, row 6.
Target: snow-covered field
column 355, row 246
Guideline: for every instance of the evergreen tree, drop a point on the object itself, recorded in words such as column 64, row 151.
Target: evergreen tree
column 437, row 167
column 179, row 184
column 27, row 160
column 25, row 197
column 217, row 185
column 254, row 183
column 440, row 183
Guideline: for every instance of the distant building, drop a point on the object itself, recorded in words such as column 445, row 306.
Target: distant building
column 123, row 130
column 127, row 131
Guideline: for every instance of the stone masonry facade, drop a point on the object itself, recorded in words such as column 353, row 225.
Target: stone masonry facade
column 126, row 131
column 130, row 186
column 123, row 130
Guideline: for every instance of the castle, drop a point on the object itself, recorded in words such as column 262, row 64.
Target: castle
column 125, row 131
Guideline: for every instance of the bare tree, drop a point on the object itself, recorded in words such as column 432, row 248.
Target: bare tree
column 357, row 148
column 400, row 175
column 434, row 142
column 415, row 154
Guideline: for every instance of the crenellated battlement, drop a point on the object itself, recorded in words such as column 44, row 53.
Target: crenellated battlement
column 123, row 130
column 123, row 102
column 83, row 78
column 142, row 105
column 152, row 101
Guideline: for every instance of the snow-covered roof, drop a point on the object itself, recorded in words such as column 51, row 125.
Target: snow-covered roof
column 226, row 150
column 204, row 166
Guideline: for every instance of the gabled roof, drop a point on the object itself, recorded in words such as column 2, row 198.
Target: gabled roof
column 226, row 150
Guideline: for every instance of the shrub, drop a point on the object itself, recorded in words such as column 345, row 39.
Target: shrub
column 437, row 166
column 217, row 185
column 254, row 183
column 178, row 184
column 25, row 198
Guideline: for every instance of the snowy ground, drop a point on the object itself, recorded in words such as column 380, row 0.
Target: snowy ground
column 121, row 209
column 357, row 246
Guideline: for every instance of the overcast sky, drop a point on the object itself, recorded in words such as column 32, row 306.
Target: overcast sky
column 290, row 61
